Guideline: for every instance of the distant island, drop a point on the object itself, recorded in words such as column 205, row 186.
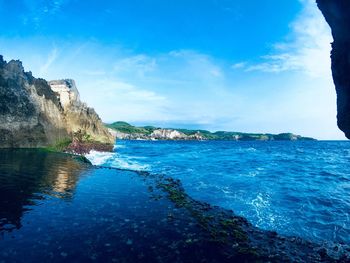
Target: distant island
column 124, row 130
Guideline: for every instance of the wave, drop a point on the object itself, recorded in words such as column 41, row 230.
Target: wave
column 116, row 160
column 99, row 158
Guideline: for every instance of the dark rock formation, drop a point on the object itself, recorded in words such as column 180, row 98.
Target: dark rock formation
column 337, row 14
column 32, row 115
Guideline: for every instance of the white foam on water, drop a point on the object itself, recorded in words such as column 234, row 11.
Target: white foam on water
column 125, row 162
column 266, row 217
column 249, row 149
column 261, row 205
column 226, row 190
column 99, row 158
column 253, row 173
column 119, row 146
column 115, row 160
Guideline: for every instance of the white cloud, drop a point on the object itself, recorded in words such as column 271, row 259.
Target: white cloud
column 45, row 6
column 239, row 65
column 305, row 93
column 139, row 64
column 38, row 10
column 308, row 51
column 216, row 72
column 50, row 60
column 118, row 100
column 131, row 92
column 194, row 66
column 94, row 72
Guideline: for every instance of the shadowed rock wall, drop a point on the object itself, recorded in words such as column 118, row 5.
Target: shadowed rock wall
column 337, row 14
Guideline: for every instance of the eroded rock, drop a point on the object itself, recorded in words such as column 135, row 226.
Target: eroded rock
column 337, row 15
column 32, row 114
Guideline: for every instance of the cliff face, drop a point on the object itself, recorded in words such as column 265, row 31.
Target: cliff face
column 77, row 114
column 32, row 115
column 167, row 134
column 337, row 14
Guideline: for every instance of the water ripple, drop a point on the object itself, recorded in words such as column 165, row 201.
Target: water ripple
column 295, row 188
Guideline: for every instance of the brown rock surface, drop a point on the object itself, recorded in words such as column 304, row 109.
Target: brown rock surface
column 32, row 115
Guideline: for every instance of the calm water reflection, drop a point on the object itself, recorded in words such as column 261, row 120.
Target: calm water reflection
column 54, row 209
column 26, row 176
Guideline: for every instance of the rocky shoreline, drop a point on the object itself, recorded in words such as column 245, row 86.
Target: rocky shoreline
column 233, row 238
column 241, row 240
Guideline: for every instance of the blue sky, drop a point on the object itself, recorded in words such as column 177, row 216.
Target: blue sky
column 213, row 64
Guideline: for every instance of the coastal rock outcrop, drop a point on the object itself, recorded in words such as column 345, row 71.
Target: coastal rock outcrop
column 167, row 134
column 32, row 113
column 66, row 91
column 337, row 15
column 78, row 115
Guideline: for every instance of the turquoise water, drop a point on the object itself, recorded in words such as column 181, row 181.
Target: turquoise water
column 294, row 188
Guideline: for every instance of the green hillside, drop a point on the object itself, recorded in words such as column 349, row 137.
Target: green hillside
column 127, row 128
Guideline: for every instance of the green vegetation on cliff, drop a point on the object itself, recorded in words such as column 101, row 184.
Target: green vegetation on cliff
column 60, row 145
column 146, row 132
column 125, row 127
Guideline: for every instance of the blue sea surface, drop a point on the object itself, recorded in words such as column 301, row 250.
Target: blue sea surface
column 56, row 209
column 299, row 188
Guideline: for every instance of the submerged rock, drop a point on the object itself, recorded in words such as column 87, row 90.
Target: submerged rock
column 237, row 240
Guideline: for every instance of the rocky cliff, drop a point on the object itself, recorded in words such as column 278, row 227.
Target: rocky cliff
column 337, row 14
column 33, row 115
column 78, row 115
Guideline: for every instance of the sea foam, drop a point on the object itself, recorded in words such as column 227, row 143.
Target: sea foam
column 115, row 160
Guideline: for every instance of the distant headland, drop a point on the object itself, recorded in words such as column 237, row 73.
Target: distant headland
column 124, row 130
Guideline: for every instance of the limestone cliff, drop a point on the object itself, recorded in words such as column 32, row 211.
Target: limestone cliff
column 167, row 134
column 77, row 114
column 32, row 114
column 337, row 14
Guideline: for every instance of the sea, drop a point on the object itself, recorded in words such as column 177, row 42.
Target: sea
column 177, row 201
column 297, row 188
